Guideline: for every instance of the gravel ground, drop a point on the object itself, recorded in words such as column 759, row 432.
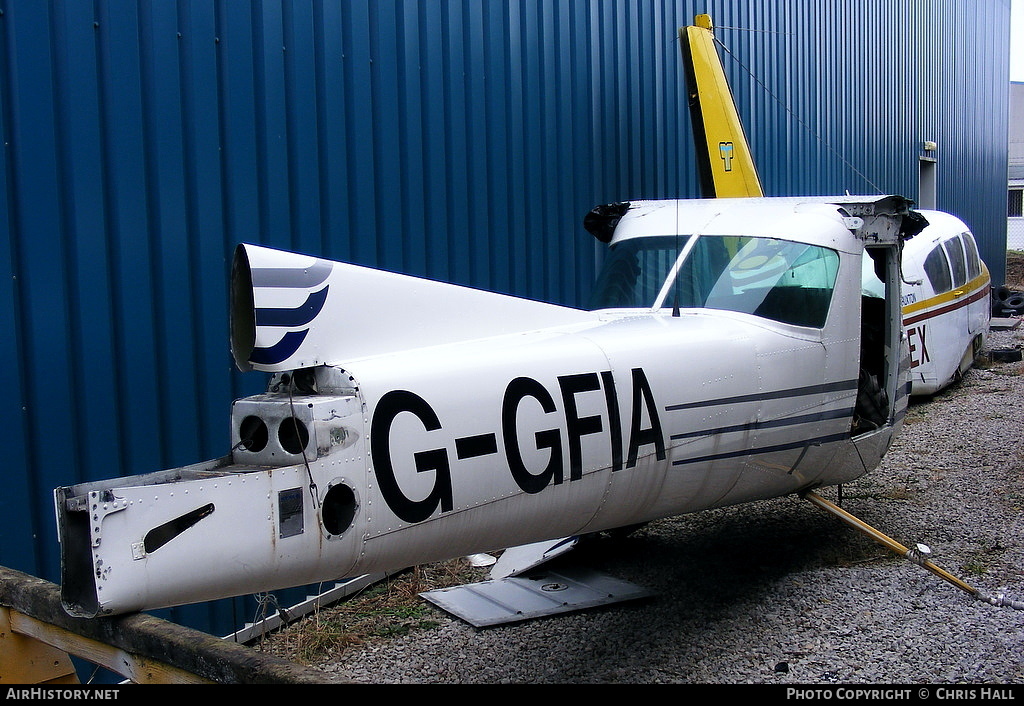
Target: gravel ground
column 780, row 592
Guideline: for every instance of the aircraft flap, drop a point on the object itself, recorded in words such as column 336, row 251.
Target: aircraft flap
column 516, row 560
column 515, row 599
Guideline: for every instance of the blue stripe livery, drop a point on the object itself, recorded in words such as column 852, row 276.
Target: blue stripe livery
column 299, row 316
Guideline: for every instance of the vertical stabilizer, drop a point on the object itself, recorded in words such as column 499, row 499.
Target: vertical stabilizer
column 724, row 163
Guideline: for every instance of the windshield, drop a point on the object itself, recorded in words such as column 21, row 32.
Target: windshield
column 776, row 279
column 635, row 272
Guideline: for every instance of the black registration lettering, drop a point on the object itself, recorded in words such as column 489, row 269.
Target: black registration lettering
column 390, row 406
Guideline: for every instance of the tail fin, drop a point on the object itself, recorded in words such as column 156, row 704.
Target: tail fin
column 724, row 163
column 291, row 311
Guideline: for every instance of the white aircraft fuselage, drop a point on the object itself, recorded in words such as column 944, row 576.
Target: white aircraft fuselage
column 733, row 357
column 947, row 302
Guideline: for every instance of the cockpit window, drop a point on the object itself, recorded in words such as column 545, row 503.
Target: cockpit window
column 973, row 258
column 936, row 266
column 635, row 272
column 955, row 252
column 776, row 279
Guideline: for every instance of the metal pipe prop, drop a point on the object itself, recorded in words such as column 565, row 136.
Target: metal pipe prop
column 916, row 555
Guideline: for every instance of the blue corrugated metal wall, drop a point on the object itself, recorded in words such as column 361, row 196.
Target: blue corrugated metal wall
column 458, row 139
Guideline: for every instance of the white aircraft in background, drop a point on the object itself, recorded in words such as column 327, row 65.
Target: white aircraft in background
column 946, row 302
column 734, row 353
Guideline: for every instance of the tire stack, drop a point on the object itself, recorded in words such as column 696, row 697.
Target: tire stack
column 1007, row 302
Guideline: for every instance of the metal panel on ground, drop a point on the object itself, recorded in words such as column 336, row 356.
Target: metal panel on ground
column 537, row 595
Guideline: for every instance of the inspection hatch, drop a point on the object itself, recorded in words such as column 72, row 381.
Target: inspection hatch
column 535, row 595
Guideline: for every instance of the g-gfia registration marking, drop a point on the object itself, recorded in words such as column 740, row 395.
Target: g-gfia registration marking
column 531, row 480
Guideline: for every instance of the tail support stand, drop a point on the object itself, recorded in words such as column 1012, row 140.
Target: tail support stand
column 918, row 555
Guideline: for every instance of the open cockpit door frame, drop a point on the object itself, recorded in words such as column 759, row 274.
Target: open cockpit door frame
column 883, row 388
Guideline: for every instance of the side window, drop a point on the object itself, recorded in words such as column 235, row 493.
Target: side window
column 937, row 268
column 957, row 262
column 973, row 258
column 784, row 281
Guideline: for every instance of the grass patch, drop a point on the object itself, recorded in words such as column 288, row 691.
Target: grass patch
column 388, row 609
column 987, row 559
column 977, row 566
column 897, row 493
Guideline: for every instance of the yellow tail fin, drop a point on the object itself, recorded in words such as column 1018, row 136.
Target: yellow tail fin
column 724, row 163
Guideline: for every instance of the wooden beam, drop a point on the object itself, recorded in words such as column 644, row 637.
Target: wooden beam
column 140, row 646
column 30, row 661
column 134, row 668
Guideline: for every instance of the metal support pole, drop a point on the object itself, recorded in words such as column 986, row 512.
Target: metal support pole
column 917, row 555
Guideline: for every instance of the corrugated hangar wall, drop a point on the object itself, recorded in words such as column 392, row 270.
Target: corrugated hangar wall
column 460, row 140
